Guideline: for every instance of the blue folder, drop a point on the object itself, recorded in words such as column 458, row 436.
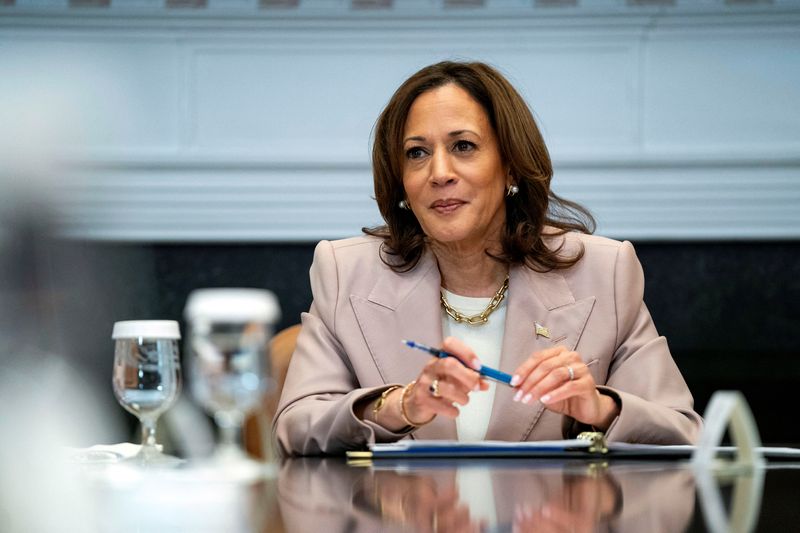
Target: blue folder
column 571, row 448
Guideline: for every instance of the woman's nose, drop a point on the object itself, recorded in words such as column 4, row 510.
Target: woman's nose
column 442, row 169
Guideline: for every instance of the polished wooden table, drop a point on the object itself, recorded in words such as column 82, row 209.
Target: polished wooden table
column 533, row 495
column 327, row 495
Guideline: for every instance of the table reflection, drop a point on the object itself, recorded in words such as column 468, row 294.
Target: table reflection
column 504, row 495
column 186, row 499
column 328, row 495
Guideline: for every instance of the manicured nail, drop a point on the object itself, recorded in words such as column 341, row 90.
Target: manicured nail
column 515, row 379
column 527, row 398
column 545, row 398
column 518, row 396
column 476, row 364
column 477, row 387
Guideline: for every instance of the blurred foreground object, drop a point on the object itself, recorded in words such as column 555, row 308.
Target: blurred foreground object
column 229, row 332
column 258, row 426
column 47, row 401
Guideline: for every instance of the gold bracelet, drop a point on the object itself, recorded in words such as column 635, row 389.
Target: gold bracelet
column 403, row 413
column 381, row 403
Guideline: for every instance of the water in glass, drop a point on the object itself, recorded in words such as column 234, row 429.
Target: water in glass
column 147, row 376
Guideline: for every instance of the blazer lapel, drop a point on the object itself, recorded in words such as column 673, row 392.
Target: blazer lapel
column 404, row 306
column 533, row 297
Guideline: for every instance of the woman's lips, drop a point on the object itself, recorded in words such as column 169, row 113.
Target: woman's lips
column 446, row 206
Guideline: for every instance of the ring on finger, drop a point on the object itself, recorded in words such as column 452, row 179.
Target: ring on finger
column 434, row 388
column 571, row 372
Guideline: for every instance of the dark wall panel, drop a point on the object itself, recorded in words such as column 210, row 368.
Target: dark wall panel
column 731, row 313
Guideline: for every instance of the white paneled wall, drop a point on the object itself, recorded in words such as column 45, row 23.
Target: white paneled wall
column 234, row 122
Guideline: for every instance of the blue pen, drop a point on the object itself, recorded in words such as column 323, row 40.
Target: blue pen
column 490, row 373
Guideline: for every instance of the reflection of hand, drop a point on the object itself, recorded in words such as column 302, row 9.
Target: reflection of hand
column 442, row 384
column 561, row 380
column 454, row 382
column 584, row 504
column 418, row 502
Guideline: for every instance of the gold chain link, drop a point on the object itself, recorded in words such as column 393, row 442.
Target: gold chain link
column 481, row 318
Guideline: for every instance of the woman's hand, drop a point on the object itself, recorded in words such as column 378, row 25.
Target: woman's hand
column 583, row 504
column 561, row 381
column 445, row 383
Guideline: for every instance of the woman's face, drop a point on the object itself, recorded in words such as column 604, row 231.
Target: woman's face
column 453, row 174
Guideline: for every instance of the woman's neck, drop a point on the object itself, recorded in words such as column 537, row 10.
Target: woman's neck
column 469, row 272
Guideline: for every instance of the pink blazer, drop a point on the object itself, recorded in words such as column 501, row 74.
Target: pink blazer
column 349, row 348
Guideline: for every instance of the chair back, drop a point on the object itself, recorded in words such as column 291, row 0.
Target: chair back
column 257, row 425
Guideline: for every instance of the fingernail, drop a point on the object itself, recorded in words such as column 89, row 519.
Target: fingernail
column 515, row 379
column 518, row 396
column 527, row 398
column 477, row 387
column 476, row 364
column 545, row 398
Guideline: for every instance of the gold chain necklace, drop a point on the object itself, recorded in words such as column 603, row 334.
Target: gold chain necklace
column 481, row 318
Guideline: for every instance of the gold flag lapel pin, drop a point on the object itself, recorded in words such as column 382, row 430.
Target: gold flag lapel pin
column 541, row 331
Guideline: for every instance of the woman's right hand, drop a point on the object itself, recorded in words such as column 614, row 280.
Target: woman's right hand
column 444, row 383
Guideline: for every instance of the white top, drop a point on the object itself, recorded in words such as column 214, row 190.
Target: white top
column 476, row 489
column 232, row 305
column 486, row 341
column 148, row 329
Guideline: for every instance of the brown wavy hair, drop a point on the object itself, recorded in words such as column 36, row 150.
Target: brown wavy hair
column 522, row 149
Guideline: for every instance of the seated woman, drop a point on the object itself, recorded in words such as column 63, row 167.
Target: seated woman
column 479, row 257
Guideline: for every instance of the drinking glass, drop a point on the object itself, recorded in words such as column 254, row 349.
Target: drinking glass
column 147, row 377
column 229, row 332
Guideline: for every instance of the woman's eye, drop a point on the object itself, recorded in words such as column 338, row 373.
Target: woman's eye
column 415, row 153
column 463, row 146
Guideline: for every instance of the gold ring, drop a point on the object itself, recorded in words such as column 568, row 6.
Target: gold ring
column 434, row 388
column 571, row 372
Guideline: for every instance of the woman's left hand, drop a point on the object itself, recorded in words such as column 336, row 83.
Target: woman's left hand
column 562, row 382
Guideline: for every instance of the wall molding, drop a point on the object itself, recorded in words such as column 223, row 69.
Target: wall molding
column 250, row 199
column 253, row 125
column 405, row 15
column 753, row 157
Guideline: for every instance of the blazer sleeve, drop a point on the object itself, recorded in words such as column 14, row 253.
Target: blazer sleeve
column 315, row 414
column 656, row 405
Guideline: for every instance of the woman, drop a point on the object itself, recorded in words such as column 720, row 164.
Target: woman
column 478, row 256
